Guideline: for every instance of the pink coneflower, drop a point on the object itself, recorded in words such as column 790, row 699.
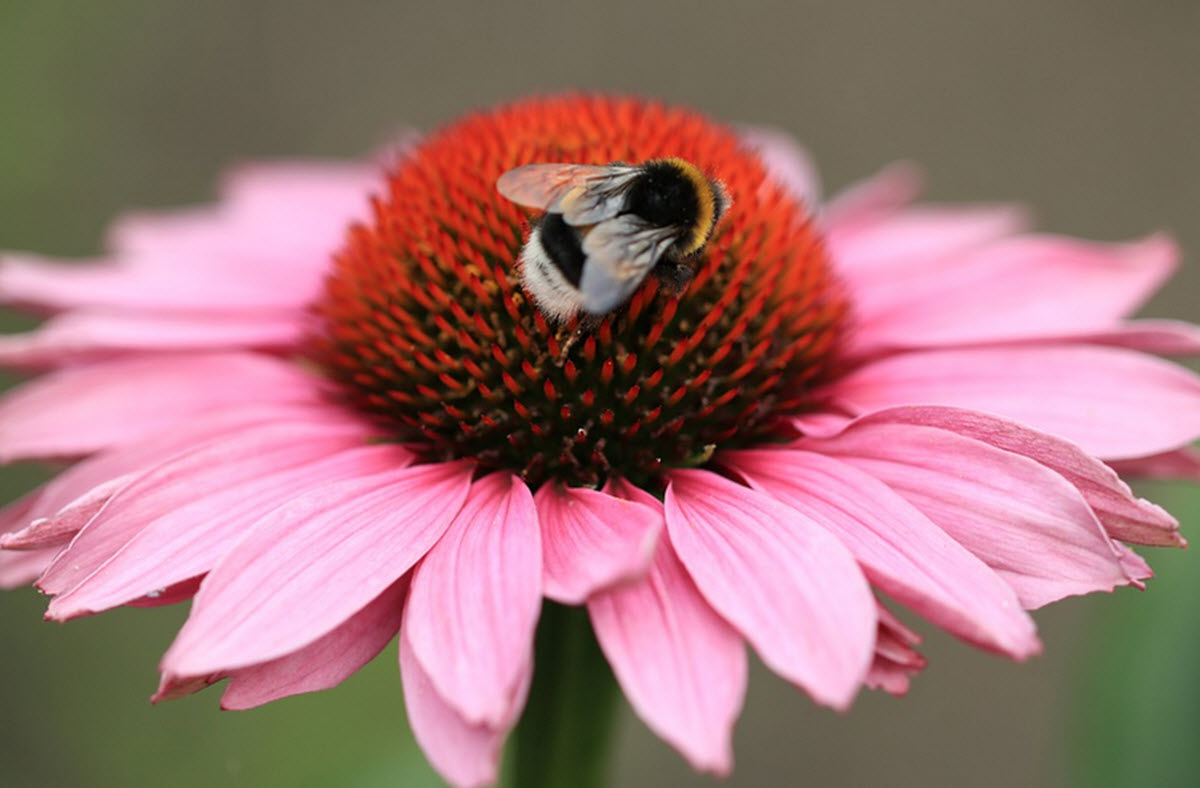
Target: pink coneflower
column 327, row 436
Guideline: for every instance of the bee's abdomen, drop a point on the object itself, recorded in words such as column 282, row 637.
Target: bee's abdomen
column 563, row 246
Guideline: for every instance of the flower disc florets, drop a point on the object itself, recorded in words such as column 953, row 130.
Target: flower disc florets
column 425, row 325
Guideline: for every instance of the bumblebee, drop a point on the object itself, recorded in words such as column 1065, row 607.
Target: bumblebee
column 605, row 228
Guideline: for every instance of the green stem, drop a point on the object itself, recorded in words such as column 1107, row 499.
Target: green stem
column 564, row 735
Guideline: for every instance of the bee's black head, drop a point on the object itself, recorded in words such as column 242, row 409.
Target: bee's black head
column 664, row 196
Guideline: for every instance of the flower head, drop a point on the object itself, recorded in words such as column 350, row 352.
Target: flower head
column 328, row 421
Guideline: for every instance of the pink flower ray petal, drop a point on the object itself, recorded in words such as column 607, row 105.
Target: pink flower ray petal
column 681, row 666
column 476, row 598
column 982, row 295
column 191, row 537
column 1025, row 521
column 76, row 411
column 900, row 550
column 782, row 580
column 465, row 754
column 327, row 661
column 1112, row 403
column 1122, row 515
column 210, row 468
column 591, row 540
column 88, row 336
column 328, row 552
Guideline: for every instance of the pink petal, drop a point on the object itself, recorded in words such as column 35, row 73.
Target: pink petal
column 1159, row 337
column 58, row 530
column 820, row 423
column 306, row 205
column 276, row 228
column 1179, row 464
column 874, row 197
column 192, row 285
column 681, row 666
column 878, row 254
column 1024, row 520
column 327, row 553
column 91, row 336
column 901, row 551
column 1122, row 515
column 16, row 514
column 327, row 661
column 896, row 661
column 22, row 568
column 787, row 161
column 1112, row 403
column 789, row 586
column 54, row 511
column 188, row 540
column 204, row 479
column 475, row 601
column 984, row 294
column 173, row 688
column 171, row 595
column 465, row 754
column 591, row 540
column 81, row 410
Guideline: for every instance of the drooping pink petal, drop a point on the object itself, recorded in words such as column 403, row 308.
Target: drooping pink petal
column 92, row 336
column 57, row 530
column 1122, row 515
column 820, row 423
column 171, row 595
column 876, row 197
column 305, row 204
column 896, row 659
column 175, row 687
column 878, row 254
column 1024, row 520
column 171, row 545
column 475, row 601
column 20, row 568
column 902, row 551
column 466, row 754
column 681, row 666
column 787, row 161
column 1158, row 337
column 782, row 580
column 327, row 661
column 45, row 519
column 195, row 287
column 982, row 294
column 591, row 540
column 1112, row 403
column 202, row 478
column 77, row 411
column 328, row 552
column 1179, row 464
column 275, row 229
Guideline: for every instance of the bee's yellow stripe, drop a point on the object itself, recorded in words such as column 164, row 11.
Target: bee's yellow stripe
column 699, row 231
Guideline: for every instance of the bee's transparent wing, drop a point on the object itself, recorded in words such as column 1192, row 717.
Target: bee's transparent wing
column 620, row 252
column 583, row 193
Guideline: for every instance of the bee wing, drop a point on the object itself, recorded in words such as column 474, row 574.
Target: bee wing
column 619, row 253
column 584, row 194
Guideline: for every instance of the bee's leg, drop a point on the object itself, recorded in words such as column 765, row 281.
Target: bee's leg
column 673, row 274
column 571, row 332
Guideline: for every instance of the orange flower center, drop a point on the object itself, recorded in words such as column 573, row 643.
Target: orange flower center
column 425, row 326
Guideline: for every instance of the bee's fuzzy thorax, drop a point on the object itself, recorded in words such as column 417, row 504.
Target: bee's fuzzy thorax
column 425, row 326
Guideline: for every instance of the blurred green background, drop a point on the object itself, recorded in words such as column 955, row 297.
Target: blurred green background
column 1087, row 111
